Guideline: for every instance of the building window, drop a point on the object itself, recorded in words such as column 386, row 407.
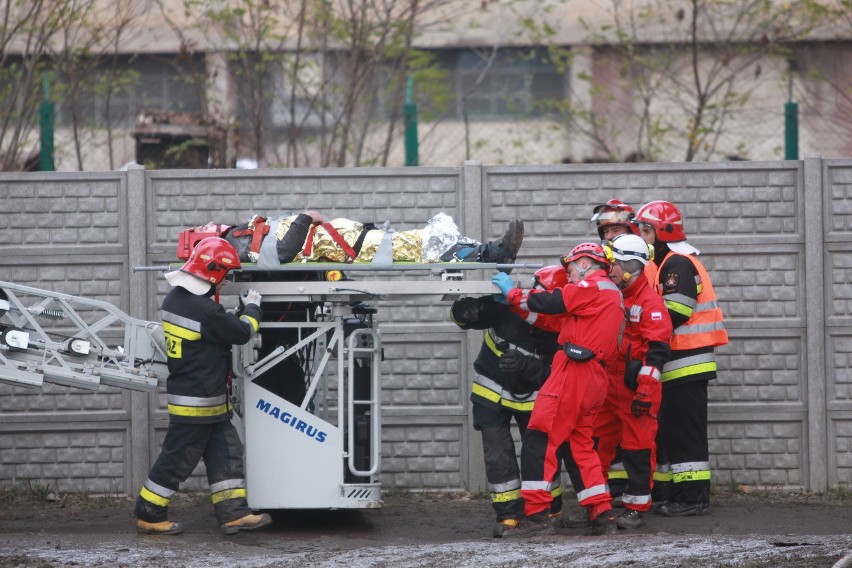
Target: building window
column 503, row 83
column 156, row 83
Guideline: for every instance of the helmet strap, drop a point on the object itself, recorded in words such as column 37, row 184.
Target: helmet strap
column 580, row 271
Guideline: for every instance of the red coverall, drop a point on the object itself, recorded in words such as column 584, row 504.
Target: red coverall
column 593, row 318
column 647, row 335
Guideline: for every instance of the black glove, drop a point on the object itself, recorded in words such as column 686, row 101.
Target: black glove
column 640, row 407
column 525, row 373
column 631, row 373
column 467, row 311
column 513, row 361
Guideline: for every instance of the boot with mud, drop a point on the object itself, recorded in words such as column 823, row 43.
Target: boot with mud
column 603, row 521
column 248, row 523
column 163, row 527
column 630, row 519
column 504, row 526
column 532, row 526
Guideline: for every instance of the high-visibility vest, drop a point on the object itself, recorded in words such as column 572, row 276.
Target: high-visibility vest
column 705, row 328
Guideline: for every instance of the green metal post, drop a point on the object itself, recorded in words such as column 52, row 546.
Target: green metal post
column 409, row 112
column 791, row 116
column 791, row 131
column 46, row 115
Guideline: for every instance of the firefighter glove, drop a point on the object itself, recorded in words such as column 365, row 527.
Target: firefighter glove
column 513, row 361
column 647, row 384
column 640, row 407
column 251, row 297
column 467, row 311
column 525, row 373
column 504, row 282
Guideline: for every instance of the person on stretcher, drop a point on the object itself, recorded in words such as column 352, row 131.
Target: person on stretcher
column 309, row 237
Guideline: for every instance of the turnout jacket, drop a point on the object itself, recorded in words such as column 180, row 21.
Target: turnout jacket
column 199, row 334
column 590, row 314
column 688, row 293
column 504, row 330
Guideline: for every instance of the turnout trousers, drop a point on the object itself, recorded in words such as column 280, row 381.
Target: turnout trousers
column 564, row 412
column 683, row 437
column 501, row 461
column 183, row 447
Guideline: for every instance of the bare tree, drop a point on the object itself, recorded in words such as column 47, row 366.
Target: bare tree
column 320, row 79
column 683, row 70
column 26, row 28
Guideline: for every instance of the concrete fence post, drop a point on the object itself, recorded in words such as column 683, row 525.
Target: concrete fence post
column 474, row 210
column 817, row 269
column 139, row 456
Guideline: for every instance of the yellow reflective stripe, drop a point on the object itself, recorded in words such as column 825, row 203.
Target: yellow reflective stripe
column 486, row 393
column 616, row 474
column 521, row 406
column 662, row 476
column 506, row 496
column 690, row 370
column 703, row 475
column 228, row 494
column 489, row 341
column 497, row 397
column 254, row 325
column 152, row 497
column 679, row 308
column 557, row 492
column 198, row 410
column 182, row 332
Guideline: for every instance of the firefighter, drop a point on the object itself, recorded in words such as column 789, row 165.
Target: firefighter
column 512, row 364
column 629, row 415
column 680, row 278
column 199, row 334
column 611, row 219
column 590, row 323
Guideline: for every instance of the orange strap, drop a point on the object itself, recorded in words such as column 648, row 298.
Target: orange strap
column 335, row 236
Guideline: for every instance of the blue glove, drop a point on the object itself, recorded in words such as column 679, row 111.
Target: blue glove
column 504, row 282
column 500, row 299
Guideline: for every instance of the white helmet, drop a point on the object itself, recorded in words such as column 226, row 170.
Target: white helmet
column 631, row 247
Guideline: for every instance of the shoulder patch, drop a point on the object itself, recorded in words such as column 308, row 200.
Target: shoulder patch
column 656, row 316
column 583, row 284
column 670, row 281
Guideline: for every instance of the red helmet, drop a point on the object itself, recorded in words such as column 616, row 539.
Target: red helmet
column 613, row 212
column 550, row 277
column 591, row 250
column 665, row 218
column 211, row 260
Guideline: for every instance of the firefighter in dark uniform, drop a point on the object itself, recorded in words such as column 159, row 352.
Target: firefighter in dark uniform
column 199, row 334
column 512, row 364
column 685, row 286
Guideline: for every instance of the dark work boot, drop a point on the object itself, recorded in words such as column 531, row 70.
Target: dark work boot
column 505, row 249
column 532, row 526
column 603, row 522
column 630, row 519
column 501, row 251
column 672, row 509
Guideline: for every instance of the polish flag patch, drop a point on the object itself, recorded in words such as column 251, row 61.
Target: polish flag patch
column 656, row 316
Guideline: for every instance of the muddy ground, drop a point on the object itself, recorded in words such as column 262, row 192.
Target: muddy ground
column 748, row 530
